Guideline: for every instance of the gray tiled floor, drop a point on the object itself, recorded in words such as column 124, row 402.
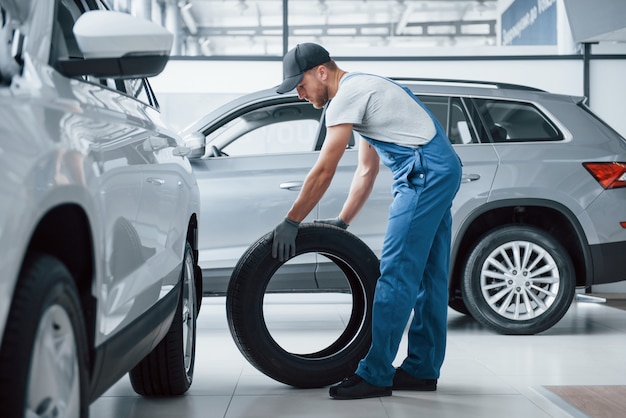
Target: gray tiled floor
column 485, row 375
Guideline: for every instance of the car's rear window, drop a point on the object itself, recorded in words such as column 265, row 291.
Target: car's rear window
column 508, row 121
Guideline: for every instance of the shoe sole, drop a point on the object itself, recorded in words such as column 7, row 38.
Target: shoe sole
column 414, row 389
column 346, row 398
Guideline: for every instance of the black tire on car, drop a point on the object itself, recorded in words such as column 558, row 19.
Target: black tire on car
column 244, row 308
column 458, row 305
column 168, row 369
column 43, row 357
column 518, row 280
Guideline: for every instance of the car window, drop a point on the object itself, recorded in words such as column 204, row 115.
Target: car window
column 274, row 129
column 276, row 138
column 140, row 89
column 453, row 117
column 508, row 121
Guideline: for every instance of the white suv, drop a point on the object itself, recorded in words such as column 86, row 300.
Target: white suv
column 98, row 220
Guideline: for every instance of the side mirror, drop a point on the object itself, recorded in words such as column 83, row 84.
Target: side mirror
column 196, row 142
column 118, row 45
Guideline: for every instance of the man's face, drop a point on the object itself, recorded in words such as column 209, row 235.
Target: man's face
column 312, row 89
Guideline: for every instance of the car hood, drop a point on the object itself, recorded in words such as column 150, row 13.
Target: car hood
column 17, row 9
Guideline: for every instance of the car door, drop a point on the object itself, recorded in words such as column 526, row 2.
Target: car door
column 478, row 156
column 250, row 180
column 160, row 227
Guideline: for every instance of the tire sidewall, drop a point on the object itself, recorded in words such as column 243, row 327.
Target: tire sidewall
column 244, row 307
column 162, row 372
column 43, row 283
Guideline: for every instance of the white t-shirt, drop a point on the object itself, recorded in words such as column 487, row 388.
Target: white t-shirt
column 380, row 109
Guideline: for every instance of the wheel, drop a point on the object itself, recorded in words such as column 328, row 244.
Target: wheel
column 246, row 319
column 518, row 280
column 43, row 357
column 168, row 369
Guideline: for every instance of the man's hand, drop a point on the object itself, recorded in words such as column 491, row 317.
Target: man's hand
column 333, row 221
column 284, row 242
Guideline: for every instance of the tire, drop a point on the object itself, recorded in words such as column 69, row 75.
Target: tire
column 43, row 357
column 197, row 272
column 518, row 280
column 459, row 306
column 246, row 293
column 168, row 369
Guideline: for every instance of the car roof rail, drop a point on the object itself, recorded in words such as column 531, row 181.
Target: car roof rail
column 472, row 83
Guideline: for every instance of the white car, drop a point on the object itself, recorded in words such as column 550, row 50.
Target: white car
column 99, row 212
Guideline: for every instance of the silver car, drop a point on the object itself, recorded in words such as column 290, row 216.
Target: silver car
column 540, row 210
column 99, row 212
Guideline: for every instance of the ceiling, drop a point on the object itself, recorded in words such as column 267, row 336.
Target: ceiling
column 255, row 27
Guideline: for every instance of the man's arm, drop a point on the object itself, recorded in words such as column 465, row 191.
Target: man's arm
column 321, row 175
column 362, row 182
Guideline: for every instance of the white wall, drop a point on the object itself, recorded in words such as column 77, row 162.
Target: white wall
column 188, row 89
column 608, row 89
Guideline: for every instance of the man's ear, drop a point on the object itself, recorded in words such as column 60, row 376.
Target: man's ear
column 322, row 72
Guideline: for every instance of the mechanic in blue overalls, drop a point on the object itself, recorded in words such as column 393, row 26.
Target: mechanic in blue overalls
column 400, row 131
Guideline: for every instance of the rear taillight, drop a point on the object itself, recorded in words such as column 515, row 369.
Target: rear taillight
column 609, row 175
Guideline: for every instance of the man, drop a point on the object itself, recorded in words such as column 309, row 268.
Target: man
column 398, row 130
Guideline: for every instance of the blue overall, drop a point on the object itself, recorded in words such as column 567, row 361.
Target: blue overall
column 415, row 259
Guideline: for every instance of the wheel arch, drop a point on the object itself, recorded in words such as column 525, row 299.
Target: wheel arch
column 65, row 233
column 549, row 216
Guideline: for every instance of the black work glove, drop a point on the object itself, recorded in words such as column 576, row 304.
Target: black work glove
column 333, row 221
column 284, row 242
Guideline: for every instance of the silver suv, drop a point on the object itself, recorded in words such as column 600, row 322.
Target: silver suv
column 540, row 210
column 98, row 220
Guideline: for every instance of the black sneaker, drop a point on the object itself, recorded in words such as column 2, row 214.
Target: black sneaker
column 404, row 381
column 355, row 387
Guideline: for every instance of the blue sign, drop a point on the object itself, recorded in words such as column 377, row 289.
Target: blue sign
column 529, row 22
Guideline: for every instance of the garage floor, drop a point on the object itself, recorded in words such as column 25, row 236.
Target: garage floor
column 485, row 375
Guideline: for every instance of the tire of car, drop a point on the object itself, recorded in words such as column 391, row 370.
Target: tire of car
column 518, row 280
column 459, row 306
column 168, row 369
column 43, row 357
column 199, row 293
column 244, row 308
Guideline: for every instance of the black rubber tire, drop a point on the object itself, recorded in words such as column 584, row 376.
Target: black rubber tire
column 44, row 284
column 168, row 370
column 548, row 301
column 197, row 271
column 458, row 305
column 244, row 308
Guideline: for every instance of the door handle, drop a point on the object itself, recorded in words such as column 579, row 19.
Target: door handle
column 291, row 185
column 466, row 178
column 155, row 180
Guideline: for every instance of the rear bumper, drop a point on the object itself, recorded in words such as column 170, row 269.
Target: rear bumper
column 608, row 262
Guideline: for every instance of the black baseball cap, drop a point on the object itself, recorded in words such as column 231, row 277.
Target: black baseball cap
column 299, row 60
